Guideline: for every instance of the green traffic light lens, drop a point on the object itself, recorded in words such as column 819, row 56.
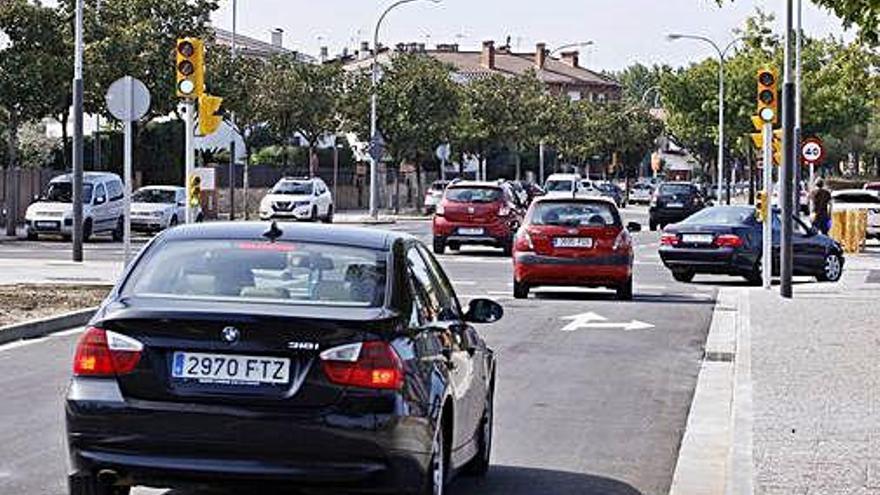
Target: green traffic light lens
column 186, row 68
column 766, row 78
column 186, row 49
column 766, row 96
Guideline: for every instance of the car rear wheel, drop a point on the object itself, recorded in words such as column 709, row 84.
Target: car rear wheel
column 479, row 465
column 435, row 479
column 439, row 245
column 653, row 225
column 87, row 230
column 520, row 290
column 832, row 269
column 755, row 277
column 507, row 247
column 454, row 246
column 625, row 290
column 683, row 275
column 118, row 232
column 173, row 221
column 329, row 217
column 314, row 216
column 32, row 236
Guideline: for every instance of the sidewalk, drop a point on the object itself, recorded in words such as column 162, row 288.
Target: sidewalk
column 42, row 271
column 807, row 403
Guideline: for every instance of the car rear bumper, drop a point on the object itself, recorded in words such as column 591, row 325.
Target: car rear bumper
column 177, row 444
column 144, row 224
column 715, row 260
column 594, row 271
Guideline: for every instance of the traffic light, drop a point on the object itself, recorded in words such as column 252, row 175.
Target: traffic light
column 195, row 190
column 210, row 114
column 768, row 103
column 190, row 67
column 761, row 206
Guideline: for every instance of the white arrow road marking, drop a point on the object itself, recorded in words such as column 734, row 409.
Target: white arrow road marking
column 596, row 321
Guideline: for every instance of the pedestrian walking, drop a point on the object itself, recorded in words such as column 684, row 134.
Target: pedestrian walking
column 820, row 207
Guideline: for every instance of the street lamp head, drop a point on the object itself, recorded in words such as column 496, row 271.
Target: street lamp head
column 673, row 36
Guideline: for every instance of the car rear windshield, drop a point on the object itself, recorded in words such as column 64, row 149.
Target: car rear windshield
column 438, row 186
column 153, row 196
column 720, row 215
column 856, row 198
column 574, row 214
column 473, row 194
column 292, row 187
column 558, row 185
column 259, row 271
column 676, row 189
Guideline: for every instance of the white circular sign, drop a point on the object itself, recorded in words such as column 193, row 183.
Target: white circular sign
column 812, row 151
column 443, row 152
column 128, row 99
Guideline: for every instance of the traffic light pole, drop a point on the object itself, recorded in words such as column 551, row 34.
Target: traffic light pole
column 189, row 150
column 77, row 234
column 767, row 226
column 788, row 162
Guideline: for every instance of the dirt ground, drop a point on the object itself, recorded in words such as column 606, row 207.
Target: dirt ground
column 21, row 302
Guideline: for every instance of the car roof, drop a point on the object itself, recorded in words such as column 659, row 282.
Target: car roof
column 330, row 234
column 475, row 183
column 162, row 188
column 578, row 199
column 565, row 177
column 87, row 177
column 872, row 192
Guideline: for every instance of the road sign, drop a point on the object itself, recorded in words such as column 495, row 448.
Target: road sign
column 443, row 152
column 594, row 321
column 127, row 99
column 812, row 150
column 122, row 106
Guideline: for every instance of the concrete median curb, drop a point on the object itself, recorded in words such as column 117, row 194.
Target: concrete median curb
column 45, row 326
column 705, row 453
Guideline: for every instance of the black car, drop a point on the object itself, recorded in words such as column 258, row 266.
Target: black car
column 611, row 191
column 313, row 357
column 728, row 240
column 673, row 202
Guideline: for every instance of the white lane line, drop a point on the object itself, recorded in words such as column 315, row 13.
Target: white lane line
column 21, row 343
column 72, row 331
column 464, row 282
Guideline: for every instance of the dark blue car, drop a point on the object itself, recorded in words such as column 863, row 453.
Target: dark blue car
column 728, row 239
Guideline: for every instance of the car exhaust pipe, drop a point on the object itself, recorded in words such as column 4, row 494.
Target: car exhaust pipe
column 108, row 477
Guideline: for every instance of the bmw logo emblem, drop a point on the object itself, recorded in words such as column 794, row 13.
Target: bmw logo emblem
column 230, row 334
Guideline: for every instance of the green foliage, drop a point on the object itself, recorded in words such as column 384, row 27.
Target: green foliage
column 862, row 13
column 237, row 81
column 35, row 148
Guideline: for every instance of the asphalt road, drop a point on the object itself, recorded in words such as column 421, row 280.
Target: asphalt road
column 596, row 410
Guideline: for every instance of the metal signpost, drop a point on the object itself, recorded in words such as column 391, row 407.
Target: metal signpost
column 128, row 100
column 443, row 152
column 767, row 246
column 189, row 153
column 789, row 157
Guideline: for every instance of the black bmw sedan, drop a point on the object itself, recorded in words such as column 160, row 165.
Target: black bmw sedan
column 308, row 357
column 728, row 240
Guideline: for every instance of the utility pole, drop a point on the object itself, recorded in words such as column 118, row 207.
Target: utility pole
column 78, row 134
column 788, row 160
column 767, row 226
column 190, row 157
column 232, row 119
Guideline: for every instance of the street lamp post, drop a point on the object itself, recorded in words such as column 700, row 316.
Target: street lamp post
column 543, row 62
column 374, row 100
column 721, row 55
column 77, row 158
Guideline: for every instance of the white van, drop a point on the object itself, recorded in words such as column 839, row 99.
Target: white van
column 103, row 198
column 566, row 186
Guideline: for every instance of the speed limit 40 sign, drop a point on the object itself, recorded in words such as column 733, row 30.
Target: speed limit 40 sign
column 812, row 150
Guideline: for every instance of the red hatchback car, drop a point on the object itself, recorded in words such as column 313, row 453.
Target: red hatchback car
column 573, row 242
column 479, row 213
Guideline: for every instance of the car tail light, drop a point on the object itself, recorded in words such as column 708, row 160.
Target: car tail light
column 504, row 211
column 440, row 210
column 103, row 353
column 728, row 240
column 669, row 240
column 372, row 364
column 622, row 240
column 523, row 241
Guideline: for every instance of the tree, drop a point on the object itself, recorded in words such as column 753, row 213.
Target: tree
column 638, row 80
column 862, row 13
column 295, row 98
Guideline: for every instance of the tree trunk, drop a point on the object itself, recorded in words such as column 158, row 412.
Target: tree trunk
column 416, row 202
column 12, row 165
column 65, row 138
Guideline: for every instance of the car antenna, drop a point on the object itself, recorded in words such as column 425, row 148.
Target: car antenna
column 273, row 233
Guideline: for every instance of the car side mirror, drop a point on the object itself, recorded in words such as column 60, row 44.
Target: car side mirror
column 634, row 227
column 181, row 203
column 483, row 311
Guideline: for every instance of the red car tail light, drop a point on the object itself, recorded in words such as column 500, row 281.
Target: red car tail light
column 669, row 240
column 623, row 240
column 372, row 364
column 523, row 241
column 728, row 240
column 103, row 353
column 440, row 210
column 503, row 211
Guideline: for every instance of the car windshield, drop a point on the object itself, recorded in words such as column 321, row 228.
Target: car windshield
column 62, row 192
column 558, row 185
column 260, row 271
column 720, row 215
column 293, row 187
column 873, row 187
column 473, row 194
column 153, row 196
column 856, row 197
column 670, row 189
column 574, row 214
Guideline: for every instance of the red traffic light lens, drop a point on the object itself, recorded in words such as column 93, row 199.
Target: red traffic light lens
column 186, row 49
column 766, row 78
column 186, row 68
column 766, row 96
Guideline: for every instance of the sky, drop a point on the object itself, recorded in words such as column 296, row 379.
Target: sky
column 623, row 31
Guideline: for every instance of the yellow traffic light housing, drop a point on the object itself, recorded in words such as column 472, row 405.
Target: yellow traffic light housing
column 768, row 102
column 210, row 114
column 195, row 190
column 190, row 67
column 761, row 206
